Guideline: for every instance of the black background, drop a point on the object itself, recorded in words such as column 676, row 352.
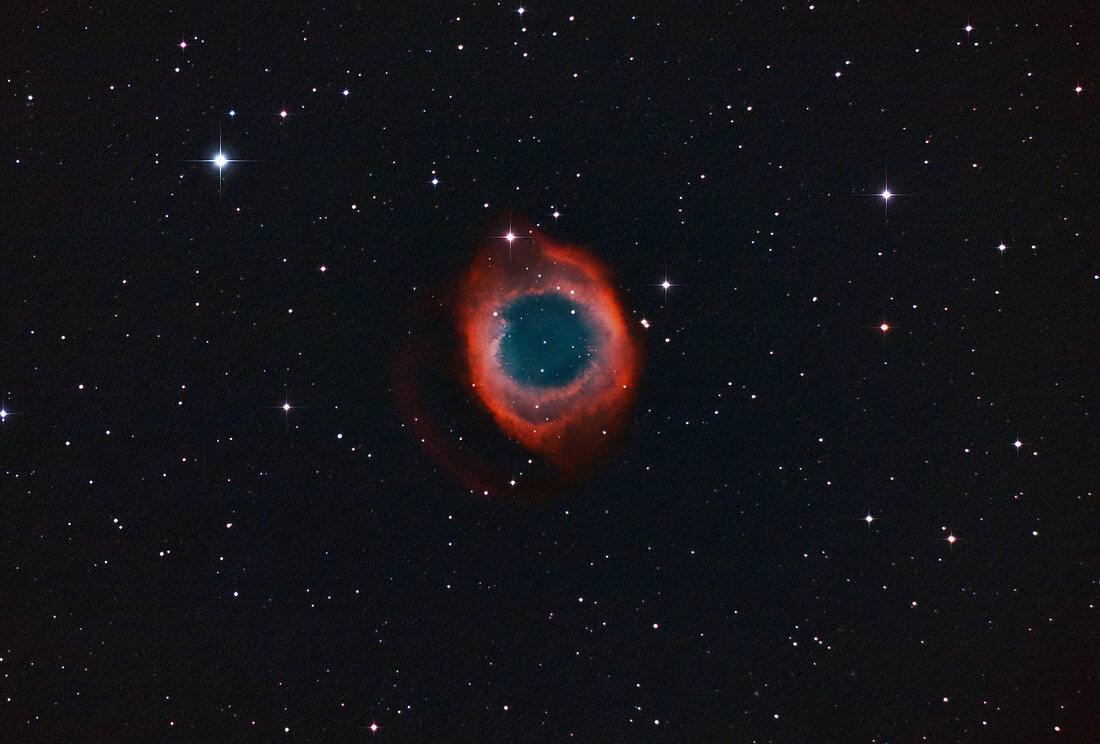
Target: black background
column 715, row 580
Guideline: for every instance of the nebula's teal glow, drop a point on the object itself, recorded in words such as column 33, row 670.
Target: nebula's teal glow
column 546, row 341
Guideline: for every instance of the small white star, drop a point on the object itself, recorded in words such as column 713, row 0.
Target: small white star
column 886, row 194
column 435, row 182
column 374, row 727
column 868, row 519
column 1001, row 247
column 884, row 328
column 521, row 10
column 968, row 28
column 951, row 539
column 510, row 236
column 556, row 214
column 1017, row 444
column 3, row 414
column 346, row 92
column 220, row 160
column 666, row 284
column 286, row 406
column 283, row 114
column 183, row 45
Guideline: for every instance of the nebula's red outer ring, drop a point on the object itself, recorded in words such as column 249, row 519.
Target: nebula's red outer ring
column 571, row 425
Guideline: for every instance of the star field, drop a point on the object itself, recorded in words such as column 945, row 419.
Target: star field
column 856, row 499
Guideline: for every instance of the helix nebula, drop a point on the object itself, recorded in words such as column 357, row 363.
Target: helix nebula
column 521, row 374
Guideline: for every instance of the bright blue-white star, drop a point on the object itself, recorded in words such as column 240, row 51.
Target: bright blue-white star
column 220, row 159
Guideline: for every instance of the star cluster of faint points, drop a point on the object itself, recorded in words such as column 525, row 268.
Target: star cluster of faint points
column 220, row 160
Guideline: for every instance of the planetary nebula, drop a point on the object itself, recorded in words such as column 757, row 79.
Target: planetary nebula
column 548, row 348
column 520, row 374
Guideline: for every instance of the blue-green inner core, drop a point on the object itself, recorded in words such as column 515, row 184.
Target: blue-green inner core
column 546, row 341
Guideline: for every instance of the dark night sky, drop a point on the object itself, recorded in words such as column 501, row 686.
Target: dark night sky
column 815, row 530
